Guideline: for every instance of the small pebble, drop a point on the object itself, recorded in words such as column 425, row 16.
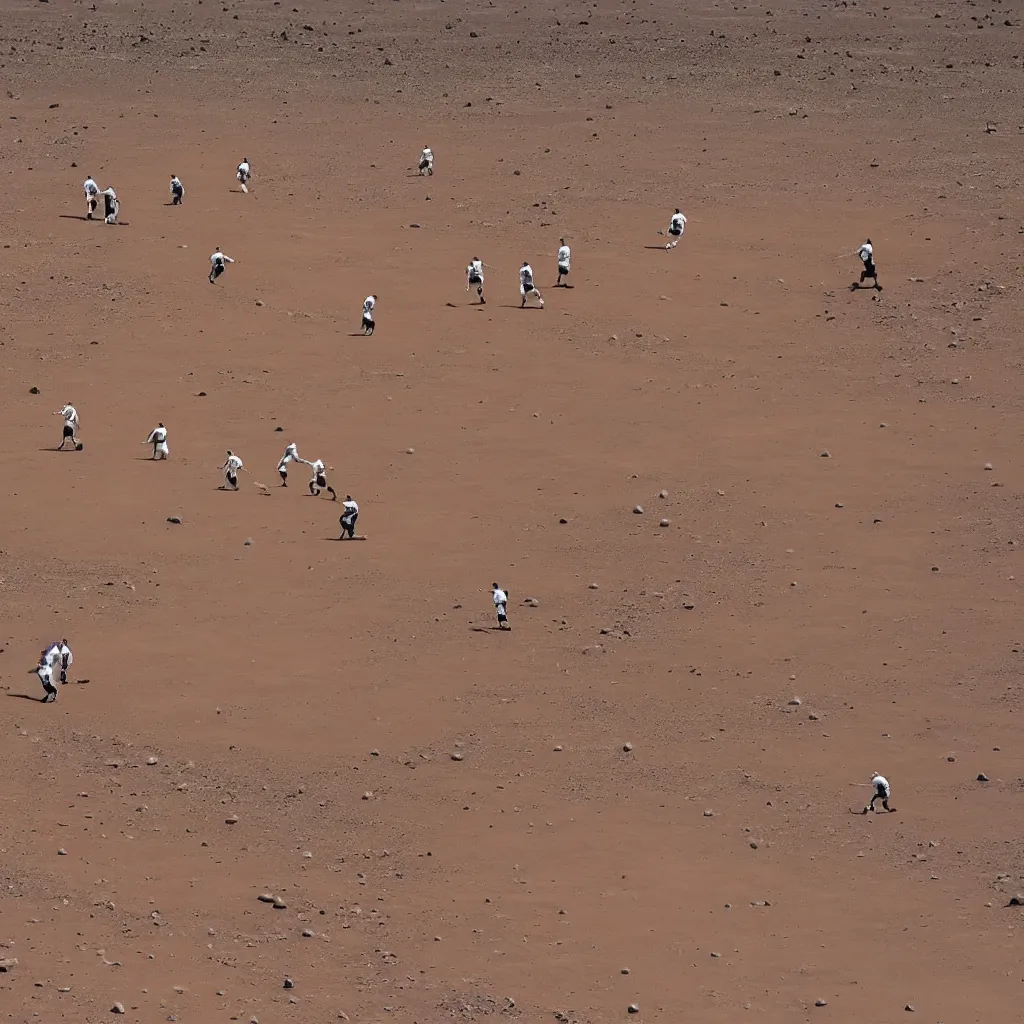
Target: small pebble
column 592, row 586
column 909, row 1008
column 288, row 983
column 663, row 523
column 633, row 1008
column 625, row 970
column 982, row 777
column 117, row 1008
column 307, row 933
column 62, row 852
column 265, row 897
column 558, row 747
column 794, row 702
column 826, row 455
column 152, row 760
column 820, row 1002
column 638, row 510
column 410, row 451
column 457, row 755
column 662, row 494
column 709, row 814
column 988, row 466
column 231, row 819
column 627, row 747
column 248, row 542
column 279, row 903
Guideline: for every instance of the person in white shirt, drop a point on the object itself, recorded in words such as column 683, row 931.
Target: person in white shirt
column 44, row 673
column 158, row 439
column 243, row 174
column 426, row 165
column 231, row 468
column 368, row 304
column 59, row 653
column 111, row 206
column 348, row 518
column 500, row 599
column 319, row 482
column 563, row 264
column 177, row 191
column 218, row 264
column 475, row 276
column 291, row 454
column 676, row 226
column 70, row 414
column 881, row 792
column 867, row 256
column 92, row 190
column 526, row 285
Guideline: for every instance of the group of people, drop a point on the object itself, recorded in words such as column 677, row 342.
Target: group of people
column 55, row 656
column 93, row 194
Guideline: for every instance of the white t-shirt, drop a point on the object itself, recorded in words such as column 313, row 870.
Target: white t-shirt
column 475, row 269
column 243, row 169
column 158, row 436
column 881, row 780
column 45, row 672
column 70, row 414
column 368, row 303
column 233, row 464
column 291, row 454
column 866, row 252
column 109, row 192
column 65, row 654
column 427, row 156
column 526, row 276
column 500, row 598
column 176, row 184
column 91, row 188
column 351, row 508
column 51, row 656
column 219, row 259
column 318, row 467
column 676, row 225
column 563, row 256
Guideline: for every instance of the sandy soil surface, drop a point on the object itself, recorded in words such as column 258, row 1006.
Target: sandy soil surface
column 620, row 801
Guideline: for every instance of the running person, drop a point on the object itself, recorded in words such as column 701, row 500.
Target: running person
column 882, row 791
column 348, row 518
column 44, row 673
column 526, row 285
column 676, row 227
column 475, row 276
column 291, row 454
column 231, row 468
column 177, row 191
column 92, row 191
column 158, row 439
column 563, row 264
column 70, row 414
column 426, row 164
column 319, row 482
column 59, row 653
column 243, row 173
column 368, row 304
column 111, row 206
column 218, row 264
column 867, row 256
column 500, row 599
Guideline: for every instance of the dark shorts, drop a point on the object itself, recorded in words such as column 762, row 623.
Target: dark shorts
column 869, row 269
column 563, row 271
column 348, row 523
column 880, row 793
column 424, row 164
column 218, row 269
column 69, row 431
column 675, row 231
column 232, row 479
column 528, row 289
column 367, row 321
column 476, row 280
column 108, row 205
column 502, row 616
column 321, row 480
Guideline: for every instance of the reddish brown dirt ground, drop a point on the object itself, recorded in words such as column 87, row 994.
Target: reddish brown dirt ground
column 316, row 691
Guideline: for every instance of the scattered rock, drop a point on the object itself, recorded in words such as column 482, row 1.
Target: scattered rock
column 1015, row 901
column 592, row 586
column 278, row 430
column 152, row 760
column 558, row 747
column 627, row 747
column 909, row 1008
column 625, row 970
column 259, row 302
column 826, row 454
column 174, row 519
column 265, row 897
column 117, row 1008
column 716, row 956
column 709, row 814
column 663, row 523
column 248, row 542
column 231, row 819
column 457, row 755
column 794, row 702
column 633, row 1008
column 288, row 983
column 820, row 1002
column 982, row 777
column 307, row 933
column 638, row 510
column 62, row 852
column 368, row 795
column 279, row 903
column 532, row 602
column 662, row 494
column 988, row 466
column 8, row 964
column 753, row 844
column 410, row 451
column 414, row 225
column 33, row 391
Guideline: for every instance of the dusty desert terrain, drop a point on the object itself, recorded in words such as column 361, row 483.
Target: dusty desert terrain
column 636, row 813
